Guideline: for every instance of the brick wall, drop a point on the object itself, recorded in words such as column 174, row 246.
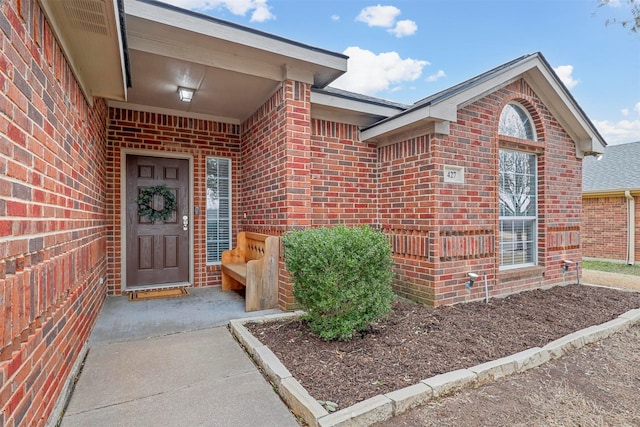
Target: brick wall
column 52, row 216
column 263, row 168
column 343, row 176
column 440, row 231
column 276, row 169
column 604, row 228
column 407, row 213
column 152, row 133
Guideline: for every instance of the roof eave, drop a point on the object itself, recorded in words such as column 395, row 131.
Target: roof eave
column 612, row 192
column 94, row 49
column 534, row 69
column 557, row 98
column 323, row 65
column 360, row 112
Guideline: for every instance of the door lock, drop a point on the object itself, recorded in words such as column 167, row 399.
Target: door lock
column 185, row 222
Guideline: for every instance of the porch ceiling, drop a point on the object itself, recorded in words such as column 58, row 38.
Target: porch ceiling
column 220, row 94
column 233, row 69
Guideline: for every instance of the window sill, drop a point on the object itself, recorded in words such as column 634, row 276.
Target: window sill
column 521, row 273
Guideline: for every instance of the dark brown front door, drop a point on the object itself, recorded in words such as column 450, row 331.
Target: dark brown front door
column 157, row 253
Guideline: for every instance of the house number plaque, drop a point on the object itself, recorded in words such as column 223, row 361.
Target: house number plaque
column 454, row 174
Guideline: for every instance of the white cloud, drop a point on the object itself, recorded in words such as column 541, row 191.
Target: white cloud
column 369, row 73
column 622, row 131
column 619, row 132
column 385, row 17
column 260, row 10
column 379, row 16
column 404, row 28
column 565, row 73
column 335, row 18
column 437, row 76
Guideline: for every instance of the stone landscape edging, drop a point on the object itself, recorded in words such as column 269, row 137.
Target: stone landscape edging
column 384, row 406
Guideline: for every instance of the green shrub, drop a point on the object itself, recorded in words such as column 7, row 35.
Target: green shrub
column 341, row 277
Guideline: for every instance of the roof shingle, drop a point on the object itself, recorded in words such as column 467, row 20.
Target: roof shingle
column 619, row 169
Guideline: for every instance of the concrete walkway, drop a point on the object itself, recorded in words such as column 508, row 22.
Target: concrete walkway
column 172, row 362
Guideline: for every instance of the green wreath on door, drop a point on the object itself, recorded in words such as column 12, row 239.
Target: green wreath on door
column 145, row 203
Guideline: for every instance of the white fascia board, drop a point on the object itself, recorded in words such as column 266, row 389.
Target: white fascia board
column 231, row 34
column 444, row 112
column 565, row 111
column 201, row 55
column 121, row 53
column 447, row 109
column 499, row 80
column 364, row 107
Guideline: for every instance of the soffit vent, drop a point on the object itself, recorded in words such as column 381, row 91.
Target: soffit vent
column 87, row 15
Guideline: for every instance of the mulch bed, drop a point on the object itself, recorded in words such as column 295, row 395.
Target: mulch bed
column 418, row 342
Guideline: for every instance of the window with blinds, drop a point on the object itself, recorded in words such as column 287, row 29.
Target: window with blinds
column 218, row 208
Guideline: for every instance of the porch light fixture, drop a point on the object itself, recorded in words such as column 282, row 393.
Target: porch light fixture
column 185, row 95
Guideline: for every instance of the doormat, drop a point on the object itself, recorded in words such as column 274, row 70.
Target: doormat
column 158, row 293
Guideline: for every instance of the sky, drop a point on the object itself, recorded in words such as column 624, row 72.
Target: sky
column 406, row 50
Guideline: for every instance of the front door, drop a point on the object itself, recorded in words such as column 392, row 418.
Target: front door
column 157, row 244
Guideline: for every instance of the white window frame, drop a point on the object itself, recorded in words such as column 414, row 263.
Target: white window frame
column 230, row 212
column 528, row 123
column 525, row 219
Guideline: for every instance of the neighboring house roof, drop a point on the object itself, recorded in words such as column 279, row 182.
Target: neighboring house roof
column 615, row 172
column 441, row 108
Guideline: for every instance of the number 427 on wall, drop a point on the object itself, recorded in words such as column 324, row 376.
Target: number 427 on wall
column 454, row 174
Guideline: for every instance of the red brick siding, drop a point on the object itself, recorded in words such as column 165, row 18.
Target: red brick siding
column 453, row 228
column 276, row 169
column 167, row 135
column 52, row 216
column 407, row 213
column 604, row 228
column 263, row 168
column 343, row 176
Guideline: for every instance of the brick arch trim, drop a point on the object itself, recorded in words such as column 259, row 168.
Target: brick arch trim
column 536, row 117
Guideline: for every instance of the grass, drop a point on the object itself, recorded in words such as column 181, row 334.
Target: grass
column 612, row 267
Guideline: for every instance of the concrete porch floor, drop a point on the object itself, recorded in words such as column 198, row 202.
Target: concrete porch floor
column 172, row 362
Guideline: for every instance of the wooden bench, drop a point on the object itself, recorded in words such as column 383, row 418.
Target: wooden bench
column 253, row 263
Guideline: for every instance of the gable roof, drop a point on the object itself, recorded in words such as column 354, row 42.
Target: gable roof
column 615, row 172
column 441, row 108
column 235, row 69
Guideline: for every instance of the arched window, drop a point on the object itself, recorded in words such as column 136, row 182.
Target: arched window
column 515, row 121
column 518, row 195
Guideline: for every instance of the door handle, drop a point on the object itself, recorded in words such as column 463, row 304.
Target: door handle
column 185, row 222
